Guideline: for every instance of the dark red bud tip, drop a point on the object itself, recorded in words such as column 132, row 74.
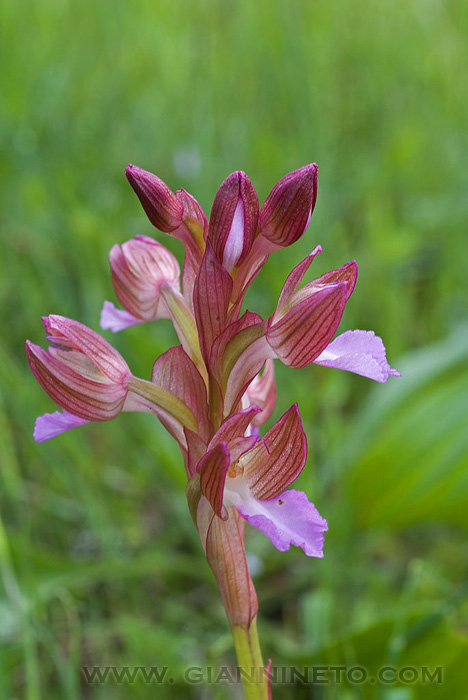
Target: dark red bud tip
column 287, row 210
column 160, row 203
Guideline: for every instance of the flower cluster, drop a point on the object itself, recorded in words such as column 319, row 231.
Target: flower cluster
column 210, row 391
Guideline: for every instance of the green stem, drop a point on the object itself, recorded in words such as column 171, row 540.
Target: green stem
column 249, row 658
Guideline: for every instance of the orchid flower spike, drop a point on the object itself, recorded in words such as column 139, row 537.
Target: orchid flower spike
column 216, row 389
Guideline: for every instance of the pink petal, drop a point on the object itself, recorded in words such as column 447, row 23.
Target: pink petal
column 175, row 372
column 233, row 341
column 140, row 267
column 196, row 448
column 73, row 391
column 225, row 553
column 262, row 392
column 50, row 425
column 161, row 205
column 304, row 331
column 347, row 273
column 74, row 335
column 114, row 319
column 247, row 366
column 287, row 210
column 361, row 352
column 213, row 468
column 193, row 233
column 288, row 519
column 211, row 296
column 233, row 220
column 235, row 426
column 277, row 460
column 295, row 277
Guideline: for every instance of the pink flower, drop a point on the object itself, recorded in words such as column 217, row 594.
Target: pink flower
column 214, row 390
column 81, row 372
column 142, row 271
column 252, row 475
column 209, row 392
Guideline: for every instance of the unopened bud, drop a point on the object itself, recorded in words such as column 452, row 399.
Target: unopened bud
column 160, row 203
column 287, row 210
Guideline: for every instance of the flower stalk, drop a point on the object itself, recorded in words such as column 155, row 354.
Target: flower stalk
column 249, row 656
column 215, row 390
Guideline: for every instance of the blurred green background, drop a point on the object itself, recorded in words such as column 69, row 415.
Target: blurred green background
column 100, row 563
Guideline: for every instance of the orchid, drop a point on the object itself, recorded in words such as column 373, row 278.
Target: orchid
column 215, row 390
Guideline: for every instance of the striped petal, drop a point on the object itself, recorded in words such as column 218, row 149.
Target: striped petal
column 304, row 331
column 211, row 296
column 277, row 460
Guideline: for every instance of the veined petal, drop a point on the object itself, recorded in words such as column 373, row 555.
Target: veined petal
column 175, row 372
column 304, row 331
column 261, row 392
column 233, row 220
column 235, row 426
column 347, row 273
column 74, row 392
column 196, row 448
column 277, row 460
column 161, row 205
column 211, row 296
column 294, row 279
column 115, row 320
column 290, row 518
column 361, row 352
column 76, row 336
column 140, row 267
column 287, row 210
column 225, row 553
column 50, row 425
column 213, row 468
column 193, row 233
column 247, row 366
column 240, row 445
column 232, row 342
column 237, row 356
column 185, row 326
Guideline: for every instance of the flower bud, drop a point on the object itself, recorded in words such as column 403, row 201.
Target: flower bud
column 233, row 220
column 287, row 210
column 140, row 267
column 85, row 375
column 160, row 203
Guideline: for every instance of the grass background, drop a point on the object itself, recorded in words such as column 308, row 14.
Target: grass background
column 100, row 564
